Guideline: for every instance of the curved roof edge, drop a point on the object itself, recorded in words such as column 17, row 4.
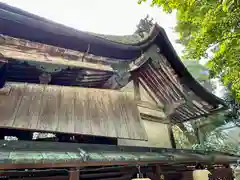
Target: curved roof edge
column 55, row 34
column 167, row 49
column 131, row 39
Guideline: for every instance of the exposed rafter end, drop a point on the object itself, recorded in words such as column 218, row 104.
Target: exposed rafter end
column 169, row 109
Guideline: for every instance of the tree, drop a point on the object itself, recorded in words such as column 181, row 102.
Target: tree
column 210, row 130
column 233, row 112
column 210, row 29
column 201, row 74
column 187, row 133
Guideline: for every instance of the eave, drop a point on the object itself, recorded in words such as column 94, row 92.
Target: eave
column 24, row 154
column 54, row 34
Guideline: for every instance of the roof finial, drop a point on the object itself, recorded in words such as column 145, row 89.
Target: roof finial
column 145, row 25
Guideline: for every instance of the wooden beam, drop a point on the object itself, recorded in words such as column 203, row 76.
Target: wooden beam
column 126, row 177
column 74, row 174
column 148, row 105
column 152, row 88
column 146, row 88
column 12, row 53
column 154, row 119
column 102, row 175
column 137, row 95
column 44, row 178
column 155, row 86
column 71, row 164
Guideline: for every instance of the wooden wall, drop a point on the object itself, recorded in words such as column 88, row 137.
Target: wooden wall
column 157, row 131
column 71, row 110
column 157, row 134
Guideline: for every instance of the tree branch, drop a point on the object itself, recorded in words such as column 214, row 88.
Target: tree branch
column 224, row 39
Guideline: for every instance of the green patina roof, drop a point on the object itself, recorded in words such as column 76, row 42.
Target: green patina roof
column 23, row 152
column 19, row 157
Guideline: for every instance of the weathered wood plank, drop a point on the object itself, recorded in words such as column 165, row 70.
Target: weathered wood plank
column 135, row 129
column 105, row 120
column 49, row 113
column 160, row 94
column 66, row 120
column 28, row 111
column 36, row 57
column 145, row 90
column 82, row 124
column 9, row 105
column 118, row 115
column 73, row 110
column 93, row 113
column 160, row 82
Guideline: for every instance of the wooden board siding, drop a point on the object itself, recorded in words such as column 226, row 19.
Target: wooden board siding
column 71, row 110
column 158, row 136
column 146, row 103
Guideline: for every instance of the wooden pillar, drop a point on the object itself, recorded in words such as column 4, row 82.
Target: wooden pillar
column 74, row 174
column 158, row 174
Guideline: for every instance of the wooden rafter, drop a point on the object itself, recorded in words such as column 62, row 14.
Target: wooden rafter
column 166, row 86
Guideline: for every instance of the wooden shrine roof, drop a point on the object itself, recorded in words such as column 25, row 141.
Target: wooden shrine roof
column 168, row 79
column 71, row 110
column 181, row 103
column 27, row 154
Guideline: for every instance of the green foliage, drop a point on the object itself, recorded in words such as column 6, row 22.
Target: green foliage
column 210, row 29
column 197, row 70
column 200, row 73
column 233, row 114
column 211, row 133
column 209, row 129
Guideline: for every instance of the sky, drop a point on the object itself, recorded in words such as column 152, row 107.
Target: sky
column 115, row 17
